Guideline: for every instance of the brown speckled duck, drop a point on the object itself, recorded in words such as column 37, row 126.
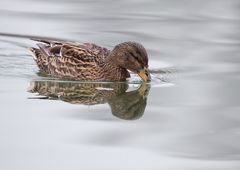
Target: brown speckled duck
column 89, row 62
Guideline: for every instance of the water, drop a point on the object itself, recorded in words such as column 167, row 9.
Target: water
column 187, row 119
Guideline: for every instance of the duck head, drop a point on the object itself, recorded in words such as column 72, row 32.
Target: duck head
column 131, row 56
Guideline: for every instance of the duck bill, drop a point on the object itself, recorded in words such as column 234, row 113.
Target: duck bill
column 144, row 75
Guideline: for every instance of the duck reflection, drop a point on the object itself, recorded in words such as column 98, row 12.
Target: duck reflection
column 124, row 104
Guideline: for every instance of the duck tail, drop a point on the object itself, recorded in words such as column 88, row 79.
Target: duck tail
column 33, row 52
column 40, row 58
column 49, row 41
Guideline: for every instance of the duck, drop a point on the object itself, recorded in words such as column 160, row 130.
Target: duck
column 90, row 62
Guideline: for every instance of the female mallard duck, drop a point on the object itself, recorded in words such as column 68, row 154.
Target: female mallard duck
column 91, row 62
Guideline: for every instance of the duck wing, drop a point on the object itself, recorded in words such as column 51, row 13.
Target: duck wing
column 81, row 54
column 53, row 47
column 69, row 59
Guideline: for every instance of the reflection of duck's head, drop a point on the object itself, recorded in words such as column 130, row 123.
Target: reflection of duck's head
column 125, row 105
column 130, row 105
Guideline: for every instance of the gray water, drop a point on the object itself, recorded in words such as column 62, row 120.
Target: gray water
column 186, row 118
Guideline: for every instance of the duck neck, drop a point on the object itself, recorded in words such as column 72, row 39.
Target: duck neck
column 115, row 72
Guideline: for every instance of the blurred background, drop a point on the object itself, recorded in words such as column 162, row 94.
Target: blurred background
column 191, row 120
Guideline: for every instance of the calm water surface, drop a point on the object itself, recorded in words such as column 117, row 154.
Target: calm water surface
column 186, row 118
